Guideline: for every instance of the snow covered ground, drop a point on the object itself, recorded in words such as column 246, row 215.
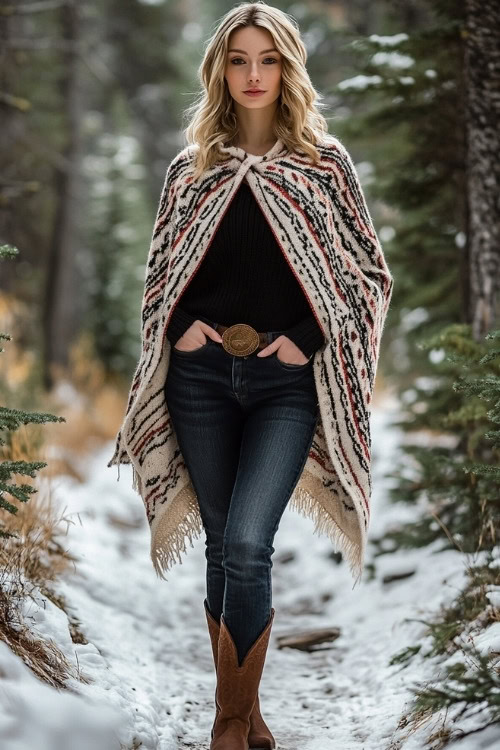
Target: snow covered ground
column 148, row 653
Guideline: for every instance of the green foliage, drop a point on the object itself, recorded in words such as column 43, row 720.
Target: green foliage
column 459, row 483
column 458, row 487
column 473, row 683
column 405, row 655
column 8, row 251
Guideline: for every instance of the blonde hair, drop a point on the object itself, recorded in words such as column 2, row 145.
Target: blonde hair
column 299, row 125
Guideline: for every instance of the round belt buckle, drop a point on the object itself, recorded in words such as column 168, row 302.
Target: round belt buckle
column 240, row 340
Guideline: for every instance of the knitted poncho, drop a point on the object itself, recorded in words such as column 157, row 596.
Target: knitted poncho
column 321, row 222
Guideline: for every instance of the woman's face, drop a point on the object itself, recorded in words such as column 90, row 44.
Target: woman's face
column 253, row 62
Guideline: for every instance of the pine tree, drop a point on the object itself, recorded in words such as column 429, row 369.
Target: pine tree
column 405, row 111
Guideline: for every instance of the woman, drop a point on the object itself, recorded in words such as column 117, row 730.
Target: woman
column 265, row 297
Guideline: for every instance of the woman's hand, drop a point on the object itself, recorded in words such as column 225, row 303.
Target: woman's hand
column 290, row 352
column 196, row 336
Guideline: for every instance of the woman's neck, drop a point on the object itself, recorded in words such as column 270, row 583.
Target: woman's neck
column 255, row 149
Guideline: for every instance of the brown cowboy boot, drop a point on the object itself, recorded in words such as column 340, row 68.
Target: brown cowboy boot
column 259, row 735
column 237, row 688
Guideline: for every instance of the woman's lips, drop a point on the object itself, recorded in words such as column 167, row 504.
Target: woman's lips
column 254, row 93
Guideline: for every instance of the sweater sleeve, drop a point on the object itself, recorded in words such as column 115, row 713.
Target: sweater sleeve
column 306, row 335
column 178, row 324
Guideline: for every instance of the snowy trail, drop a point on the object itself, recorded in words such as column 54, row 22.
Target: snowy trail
column 149, row 653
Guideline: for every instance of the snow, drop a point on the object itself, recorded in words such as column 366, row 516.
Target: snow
column 359, row 82
column 494, row 596
column 35, row 715
column 489, row 640
column 149, row 657
column 388, row 41
column 392, row 59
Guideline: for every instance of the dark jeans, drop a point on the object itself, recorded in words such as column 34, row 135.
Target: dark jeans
column 244, row 426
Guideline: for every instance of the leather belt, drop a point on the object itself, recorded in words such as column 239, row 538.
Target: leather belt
column 241, row 339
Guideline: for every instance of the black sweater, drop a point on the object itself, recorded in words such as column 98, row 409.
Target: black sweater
column 245, row 278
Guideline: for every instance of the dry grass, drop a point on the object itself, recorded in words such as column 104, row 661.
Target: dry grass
column 44, row 658
column 30, row 563
column 92, row 407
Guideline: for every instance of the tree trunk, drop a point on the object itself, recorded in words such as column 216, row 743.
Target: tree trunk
column 482, row 118
column 61, row 297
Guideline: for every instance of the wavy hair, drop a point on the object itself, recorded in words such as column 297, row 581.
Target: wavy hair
column 298, row 122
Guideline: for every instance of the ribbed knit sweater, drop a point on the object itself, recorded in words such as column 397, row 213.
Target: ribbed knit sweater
column 245, row 278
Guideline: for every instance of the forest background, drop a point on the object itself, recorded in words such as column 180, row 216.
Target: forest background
column 92, row 96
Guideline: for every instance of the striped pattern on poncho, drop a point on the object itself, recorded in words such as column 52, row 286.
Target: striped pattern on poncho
column 321, row 222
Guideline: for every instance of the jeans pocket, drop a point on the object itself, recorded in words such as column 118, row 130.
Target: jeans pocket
column 192, row 352
column 290, row 365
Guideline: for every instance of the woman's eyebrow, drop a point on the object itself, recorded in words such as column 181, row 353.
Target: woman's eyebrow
column 273, row 49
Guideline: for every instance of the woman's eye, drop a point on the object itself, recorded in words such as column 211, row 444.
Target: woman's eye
column 235, row 59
